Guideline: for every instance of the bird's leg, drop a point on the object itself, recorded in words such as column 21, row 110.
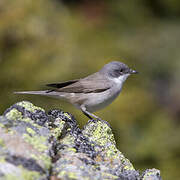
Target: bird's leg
column 88, row 114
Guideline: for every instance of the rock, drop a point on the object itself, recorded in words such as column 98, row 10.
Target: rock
column 39, row 145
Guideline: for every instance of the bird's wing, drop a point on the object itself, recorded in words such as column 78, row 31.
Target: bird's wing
column 89, row 84
column 62, row 84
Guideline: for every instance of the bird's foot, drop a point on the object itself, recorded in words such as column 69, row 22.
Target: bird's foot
column 98, row 119
column 103, row 121
column 92, row 120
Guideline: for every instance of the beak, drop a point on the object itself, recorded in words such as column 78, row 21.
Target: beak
column 133, row 71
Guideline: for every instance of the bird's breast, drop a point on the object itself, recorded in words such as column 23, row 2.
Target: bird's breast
column 97, row 101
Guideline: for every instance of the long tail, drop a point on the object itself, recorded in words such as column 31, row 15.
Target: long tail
column 50, row 93
column 33, row 92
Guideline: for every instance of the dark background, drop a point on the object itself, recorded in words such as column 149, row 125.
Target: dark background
column 48, row 41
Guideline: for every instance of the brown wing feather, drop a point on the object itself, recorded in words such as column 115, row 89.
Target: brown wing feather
column 86, row 86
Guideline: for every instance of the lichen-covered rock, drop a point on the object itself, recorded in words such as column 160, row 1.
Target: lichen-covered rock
column 39, row 145
column 151, row 174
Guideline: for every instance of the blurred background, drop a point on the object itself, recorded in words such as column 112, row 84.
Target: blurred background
column 48, row 41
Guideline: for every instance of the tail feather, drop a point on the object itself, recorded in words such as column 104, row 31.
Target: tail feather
column 50, row 93
column 33, row 92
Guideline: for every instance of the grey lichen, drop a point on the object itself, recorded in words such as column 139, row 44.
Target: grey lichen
column 39, row 145
column 151, row 174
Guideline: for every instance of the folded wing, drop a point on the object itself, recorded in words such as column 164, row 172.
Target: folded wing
column 90, row 84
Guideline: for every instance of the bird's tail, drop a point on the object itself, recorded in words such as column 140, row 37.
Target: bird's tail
column 32, row 92
column 50, row 93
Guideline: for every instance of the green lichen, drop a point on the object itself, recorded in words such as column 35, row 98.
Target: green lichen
column 72, row 175
column 46, row 160
column 31, row 175
column 111, row 151
column 24, row 174
column 86, row 178
column 71, row 150
column 11, row 132
column 151, row 173
column 28, row 120
column 68, row 140
column 2, row 142
column 67, row 115
column 30, row 131
column 100, row 133
column 29, row 106
column 62, row 173
column 13, row 114
column 109, row 176
column 10, row 177
column 19, row 173
column 38, row 142
column 69, row 175
column 2, row 160
column 81, row 167
column 56, row 132
column 129, row 166
column 2, row 125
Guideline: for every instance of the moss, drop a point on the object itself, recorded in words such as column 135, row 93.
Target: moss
column 13, row 114
column 29, row 106
column 38, row 142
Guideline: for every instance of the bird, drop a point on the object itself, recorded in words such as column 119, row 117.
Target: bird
column 91, row 93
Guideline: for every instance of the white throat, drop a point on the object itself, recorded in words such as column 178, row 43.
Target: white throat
column 120, row 80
